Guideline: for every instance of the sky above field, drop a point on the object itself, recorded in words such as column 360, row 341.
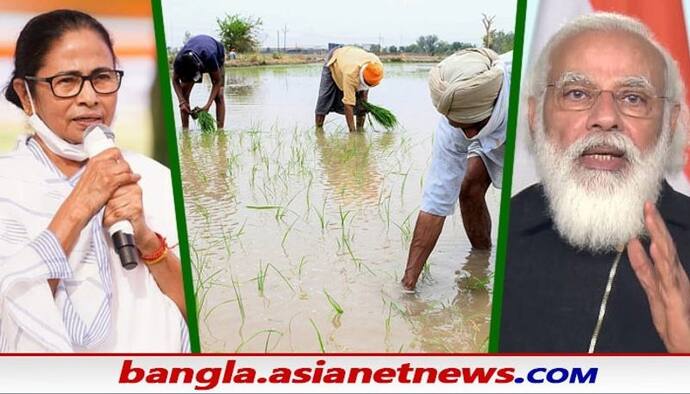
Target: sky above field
column 312, row 23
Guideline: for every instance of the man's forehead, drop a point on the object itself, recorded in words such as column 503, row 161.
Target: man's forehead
column 573, row 76
column 608, row 58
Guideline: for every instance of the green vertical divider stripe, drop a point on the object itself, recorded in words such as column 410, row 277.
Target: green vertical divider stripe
column 169, row 122
column 503, row 223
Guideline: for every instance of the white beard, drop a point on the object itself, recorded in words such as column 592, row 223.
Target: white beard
column 599, row 210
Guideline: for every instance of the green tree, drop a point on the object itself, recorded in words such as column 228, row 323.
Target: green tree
column 239, row 32
column 427, row 44
column 456, row 46
column 502, row 42
column 392, row 49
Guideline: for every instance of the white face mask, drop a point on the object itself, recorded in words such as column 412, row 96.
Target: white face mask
column 56, row 144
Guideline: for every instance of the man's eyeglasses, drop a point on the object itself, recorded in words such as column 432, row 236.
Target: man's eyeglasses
column 70, row 85
column 631, row 101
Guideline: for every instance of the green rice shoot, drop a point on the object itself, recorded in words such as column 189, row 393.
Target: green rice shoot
column 206, row 122
column 381, row 115
column 334, row 304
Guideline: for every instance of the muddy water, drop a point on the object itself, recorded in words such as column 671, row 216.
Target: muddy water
column 288, row 225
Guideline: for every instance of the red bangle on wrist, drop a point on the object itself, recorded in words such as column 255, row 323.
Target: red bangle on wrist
column 158, row 254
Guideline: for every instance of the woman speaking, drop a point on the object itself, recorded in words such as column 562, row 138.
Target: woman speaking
column 62, row 287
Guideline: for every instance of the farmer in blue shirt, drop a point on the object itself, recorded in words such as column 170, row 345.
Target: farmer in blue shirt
column 201, row 54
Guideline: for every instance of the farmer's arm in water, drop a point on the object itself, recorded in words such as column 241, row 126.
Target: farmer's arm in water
column 177, row 86
column 216, row 79
column 664, row 281
column 426, row 233
column 360, row 118
column 350, row 117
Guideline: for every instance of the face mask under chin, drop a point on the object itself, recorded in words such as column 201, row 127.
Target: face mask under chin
column 52, row 141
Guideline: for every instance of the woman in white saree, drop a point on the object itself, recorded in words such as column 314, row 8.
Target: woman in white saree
column 62, row 288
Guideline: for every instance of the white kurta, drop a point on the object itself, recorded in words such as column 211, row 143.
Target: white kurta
column 99, row 306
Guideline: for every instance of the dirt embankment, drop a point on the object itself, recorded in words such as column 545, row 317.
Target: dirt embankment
column 263, row 59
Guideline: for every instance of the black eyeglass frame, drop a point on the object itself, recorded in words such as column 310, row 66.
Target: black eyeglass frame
column 84, row 78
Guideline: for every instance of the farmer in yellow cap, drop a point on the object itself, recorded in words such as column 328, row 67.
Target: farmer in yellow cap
column 347, row 75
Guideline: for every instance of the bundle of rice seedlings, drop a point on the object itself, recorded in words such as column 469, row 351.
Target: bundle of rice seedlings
column 206, row 122
column 381, row 115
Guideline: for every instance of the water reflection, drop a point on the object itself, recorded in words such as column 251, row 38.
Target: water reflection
column 288, row 225
column 351, row 173
column 462, row 323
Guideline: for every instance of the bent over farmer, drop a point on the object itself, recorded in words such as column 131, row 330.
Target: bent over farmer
column 346, row 77
column 201, row 54
column 470, row 90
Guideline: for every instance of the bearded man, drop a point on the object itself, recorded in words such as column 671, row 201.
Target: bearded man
column 598, row 251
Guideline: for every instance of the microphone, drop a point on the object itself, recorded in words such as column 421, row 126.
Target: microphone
column 98, row 138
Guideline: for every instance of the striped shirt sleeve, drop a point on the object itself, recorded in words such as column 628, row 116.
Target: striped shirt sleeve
column 42, row 258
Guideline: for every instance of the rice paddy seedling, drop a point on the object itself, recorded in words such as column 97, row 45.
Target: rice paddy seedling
column 381, row 115
column 285, row 235
column 388, row 319
column 206, row 122
column 269, row 333
column 261, row 278
column 406, row 229
column 287, row 282
column 231, row 235
column 404, row 181
column 387, row 210
column 343, row 222
column 240, row 303
column 255, row 142
column 484, row 346
column 208, row 313
column 334, row 304
column 318, row 336
column 426, row 270
column 307, row 195
column 322, row 215
column 203, row 211
column 300, row 265
column 474, row 283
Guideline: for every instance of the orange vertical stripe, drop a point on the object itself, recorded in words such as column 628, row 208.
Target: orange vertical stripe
column 667, row 20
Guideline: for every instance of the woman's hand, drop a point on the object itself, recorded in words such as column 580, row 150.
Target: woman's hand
column 126, row 203
column 103, row 175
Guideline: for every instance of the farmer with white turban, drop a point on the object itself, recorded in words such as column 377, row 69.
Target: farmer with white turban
column 470, row 89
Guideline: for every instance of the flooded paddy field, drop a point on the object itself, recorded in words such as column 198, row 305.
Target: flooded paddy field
column 299, row 237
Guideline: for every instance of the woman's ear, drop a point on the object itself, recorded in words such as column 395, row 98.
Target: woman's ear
column 20, row 88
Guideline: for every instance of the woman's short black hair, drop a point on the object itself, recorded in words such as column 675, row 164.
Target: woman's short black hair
column 37, row 38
